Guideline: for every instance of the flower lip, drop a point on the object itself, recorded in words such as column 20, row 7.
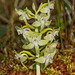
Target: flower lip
column 35, row 40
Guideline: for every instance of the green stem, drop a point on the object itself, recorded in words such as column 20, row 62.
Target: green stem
column 62, row 47
column 37, row 64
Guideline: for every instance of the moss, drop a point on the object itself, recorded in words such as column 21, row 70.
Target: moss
column 51, row 71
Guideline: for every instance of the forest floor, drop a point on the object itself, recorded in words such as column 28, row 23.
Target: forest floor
column 64, row 62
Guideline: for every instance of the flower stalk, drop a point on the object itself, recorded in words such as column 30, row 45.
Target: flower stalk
column 37, row 63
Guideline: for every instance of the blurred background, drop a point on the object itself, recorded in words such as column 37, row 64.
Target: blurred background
column 62, row 16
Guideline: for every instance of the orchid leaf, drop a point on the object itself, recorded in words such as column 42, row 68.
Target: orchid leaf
column 29, row 46
column 40, row 59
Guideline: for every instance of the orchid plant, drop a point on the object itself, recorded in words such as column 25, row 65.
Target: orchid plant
column 40, row 38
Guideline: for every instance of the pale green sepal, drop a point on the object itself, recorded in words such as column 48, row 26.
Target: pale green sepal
column 29, row 46
column 21, row 18
column 48, row 23
column 29, row 11
column 40, row 59
column 19, row 11
column 41, row 6
column 27, row 52
column 47, row 37
column 43, row 42
column 36, row 23
column 28, row 25
column 45, row 30
column 24, row 27
column 33, row 6
column 30, row 16
column 44, row 10
column 24, row 58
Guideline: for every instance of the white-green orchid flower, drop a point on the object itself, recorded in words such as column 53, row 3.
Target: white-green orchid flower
column 23, row 31
column 19, row 31
column 42, row 21
column 22, row 57
column 23, row 14
column 50, row 48
column 51, row 35
column 55, row 33
column 53, row 45
column 49, row 53
column 35, row 41
column 49, row 58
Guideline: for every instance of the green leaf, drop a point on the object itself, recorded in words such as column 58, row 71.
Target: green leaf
column 40, row 59
column 27, row 52
column 29, row 11
column 29, row 46
column 33, row 6
column 36, row 23
column 43, row 42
